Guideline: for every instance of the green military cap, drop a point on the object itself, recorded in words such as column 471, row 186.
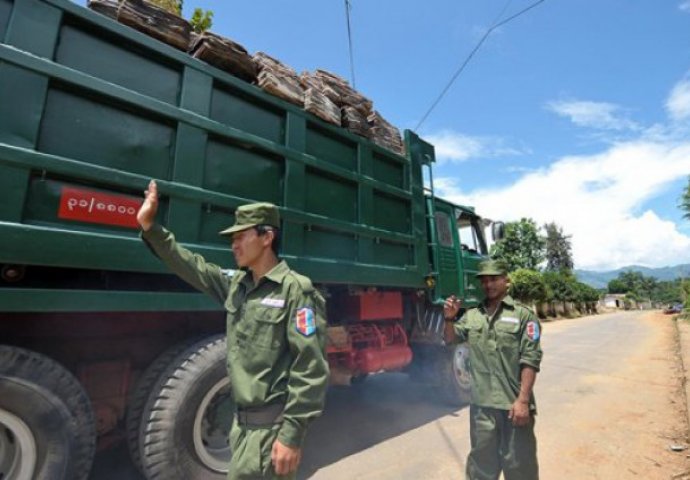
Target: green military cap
column 253, row 214
column 492, row 267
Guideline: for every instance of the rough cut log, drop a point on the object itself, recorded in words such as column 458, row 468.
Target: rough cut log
column 320, row 105
column 282, row 86
column 278, row 79
column 265, row 61
column 310, row 80
column 104, row 7
column 385, row 134
column 225, row 54
column 155, row 22
column 348, row 96
column 355, row 121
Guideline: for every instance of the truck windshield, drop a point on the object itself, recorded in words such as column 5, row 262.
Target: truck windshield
column 471, row 235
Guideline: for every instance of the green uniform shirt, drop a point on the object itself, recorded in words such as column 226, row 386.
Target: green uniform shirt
column 499, row 346
column 269, row 359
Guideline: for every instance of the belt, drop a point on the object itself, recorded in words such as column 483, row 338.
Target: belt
column 262, row 416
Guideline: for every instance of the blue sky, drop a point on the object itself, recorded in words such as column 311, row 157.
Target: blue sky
column 577, row 112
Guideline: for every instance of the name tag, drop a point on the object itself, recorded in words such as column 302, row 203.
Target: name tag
column 273, row 302
column 509, row 320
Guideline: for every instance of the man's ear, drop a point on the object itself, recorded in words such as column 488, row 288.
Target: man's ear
column 267, row 238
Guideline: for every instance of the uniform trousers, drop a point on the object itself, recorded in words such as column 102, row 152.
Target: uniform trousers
column 498, row 446
column 251, row 453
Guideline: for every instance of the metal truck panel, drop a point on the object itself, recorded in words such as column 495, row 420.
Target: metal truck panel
column 95, row 107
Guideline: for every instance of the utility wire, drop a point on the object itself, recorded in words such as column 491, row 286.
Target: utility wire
column 349, row 41
column 469, row 57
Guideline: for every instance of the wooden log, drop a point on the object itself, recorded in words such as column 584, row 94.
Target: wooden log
column 155, row 22
column 347, row 96
column 320, row 105
column 355, row 121
column 278, row 79
column 282, row 86
column 385, row 134
column 224, row 54
column 309, row 80
column 104, row 7
column 265, row 61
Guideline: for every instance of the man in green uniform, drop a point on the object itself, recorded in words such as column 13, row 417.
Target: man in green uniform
column 275, row 335
column 505, row 354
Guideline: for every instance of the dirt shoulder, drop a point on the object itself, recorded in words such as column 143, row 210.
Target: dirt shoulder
column 624, row 423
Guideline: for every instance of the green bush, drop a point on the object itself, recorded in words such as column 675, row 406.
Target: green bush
column 528, row 286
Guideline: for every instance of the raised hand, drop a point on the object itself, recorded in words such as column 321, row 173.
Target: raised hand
column 451, row 307
column 146, row 216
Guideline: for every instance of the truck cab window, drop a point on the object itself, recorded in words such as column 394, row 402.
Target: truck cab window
column 471, row 236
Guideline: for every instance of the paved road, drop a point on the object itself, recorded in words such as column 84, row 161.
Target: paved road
column 392, row 428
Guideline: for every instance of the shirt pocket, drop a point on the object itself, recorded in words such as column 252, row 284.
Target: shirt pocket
column 507, row 334
column 266, row 327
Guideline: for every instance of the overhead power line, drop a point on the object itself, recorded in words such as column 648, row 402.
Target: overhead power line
column 348, row 7
column 471, row 54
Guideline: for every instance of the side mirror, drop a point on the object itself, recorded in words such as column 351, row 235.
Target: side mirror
column 498, row 230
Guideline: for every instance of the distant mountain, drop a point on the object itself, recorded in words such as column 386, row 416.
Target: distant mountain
column 601, row 279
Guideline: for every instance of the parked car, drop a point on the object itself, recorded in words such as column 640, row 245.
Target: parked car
column 676, row 308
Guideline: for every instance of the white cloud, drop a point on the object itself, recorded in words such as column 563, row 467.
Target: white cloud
column 597, row 199
column 678, row 103
column 598, row 115
column 685, row 6
column 456, row 147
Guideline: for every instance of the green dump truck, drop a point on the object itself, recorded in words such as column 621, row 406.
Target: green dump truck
column 95, row 333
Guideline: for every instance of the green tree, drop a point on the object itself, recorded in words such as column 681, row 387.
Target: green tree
column 201, row 20
column 617, row 286
column 521, row 247
column 667, row 292
column 559, row 255
column 528, row 286
column 562, row 286
column 585, row 293
column 633, row 282
column 685, row 201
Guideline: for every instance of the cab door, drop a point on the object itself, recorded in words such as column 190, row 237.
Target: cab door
column 444, row 248
column 473, row 250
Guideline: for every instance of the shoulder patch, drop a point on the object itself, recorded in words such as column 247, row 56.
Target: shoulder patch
column 533, row 330
column 305, row 321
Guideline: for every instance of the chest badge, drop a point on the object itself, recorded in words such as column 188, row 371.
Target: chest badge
column 533, row 331
column 305, row 323
column 273, row 302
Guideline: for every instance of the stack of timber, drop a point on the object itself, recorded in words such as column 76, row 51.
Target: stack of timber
column 322, row 93
column 385, row 134
column 278, row 79
column 155, row 22
column 354, row 107
column 347, row 96
column 317, row 99
column 355, row 121
column 224, row 54
column 105, row 7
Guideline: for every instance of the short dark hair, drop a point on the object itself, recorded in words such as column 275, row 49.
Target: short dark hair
column 275, row 245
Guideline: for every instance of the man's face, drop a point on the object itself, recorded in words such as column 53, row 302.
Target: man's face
column 248, row 246
column 495, row 286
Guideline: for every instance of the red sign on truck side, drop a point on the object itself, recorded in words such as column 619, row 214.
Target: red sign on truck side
column 97, row 207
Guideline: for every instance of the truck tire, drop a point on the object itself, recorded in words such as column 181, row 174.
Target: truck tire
column 187, row 417
column 454, row 375
column 46, row 422
column 136, row 402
